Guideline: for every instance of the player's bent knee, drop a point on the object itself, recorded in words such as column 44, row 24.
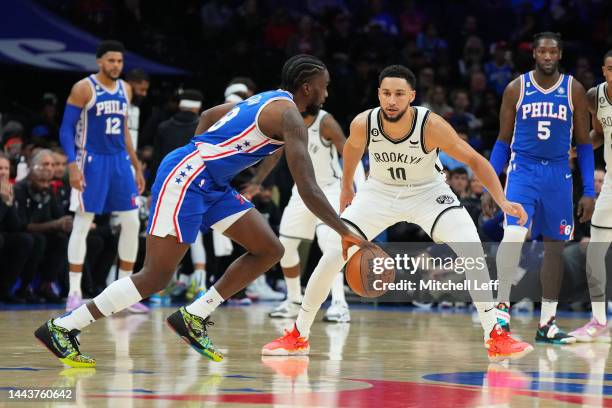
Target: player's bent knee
column 291, row 255
column 455, row 225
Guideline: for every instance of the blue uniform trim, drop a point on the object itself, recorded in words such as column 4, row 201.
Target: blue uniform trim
column 71, row 117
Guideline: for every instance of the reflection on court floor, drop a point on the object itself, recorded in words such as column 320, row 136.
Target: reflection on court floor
column 384, row 358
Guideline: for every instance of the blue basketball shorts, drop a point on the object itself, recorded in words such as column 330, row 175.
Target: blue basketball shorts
column 545, row 191
column 109, row 183
column 187, row 200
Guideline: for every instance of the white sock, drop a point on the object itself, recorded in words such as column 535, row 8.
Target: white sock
column 337, row 290
column 486, row 314
column 123, row 273
column 205, row 305
column 294, row 289
column 599, row 312
column 76, row 319
column 75, row 283
column 549, row 310
column 199, row 277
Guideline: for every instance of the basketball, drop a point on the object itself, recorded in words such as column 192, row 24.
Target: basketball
column 363, row 273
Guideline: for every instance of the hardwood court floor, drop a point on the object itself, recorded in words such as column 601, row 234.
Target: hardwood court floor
column 384, row 358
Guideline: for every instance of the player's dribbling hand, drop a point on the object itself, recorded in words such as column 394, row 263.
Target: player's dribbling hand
column 350, row 239
column 346, row 198
column 75, row 176
column 515, row 210
column 585, row 208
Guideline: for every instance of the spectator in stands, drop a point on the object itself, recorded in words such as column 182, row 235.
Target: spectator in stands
column 306, row 40
column 59, row 184
column 462, row 117
column 46, row 125
column 430, row 43
column 499, row 69
column 42, row 216
column 178, row 130
column 140, row 82
column 459, row 182
column 436, row 101
column 15, row 246
column 473, row 54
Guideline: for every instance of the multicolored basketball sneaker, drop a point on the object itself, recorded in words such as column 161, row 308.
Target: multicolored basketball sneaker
column 551, row 333
column 64, row 344
column 501, row 346
column 592, row 332
column 291, row 344
column 192, row 329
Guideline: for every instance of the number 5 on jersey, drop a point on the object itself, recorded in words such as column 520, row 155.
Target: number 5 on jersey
column 543, row 129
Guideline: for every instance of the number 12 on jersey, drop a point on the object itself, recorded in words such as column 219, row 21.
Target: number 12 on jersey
column 113, row 126
column 397, row 173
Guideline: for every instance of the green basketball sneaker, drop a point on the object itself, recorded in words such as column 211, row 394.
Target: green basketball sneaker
column 192, row 329
column 64, row 344
column 550, row 333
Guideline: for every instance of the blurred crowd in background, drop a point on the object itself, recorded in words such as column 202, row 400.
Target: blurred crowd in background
column 463, row 54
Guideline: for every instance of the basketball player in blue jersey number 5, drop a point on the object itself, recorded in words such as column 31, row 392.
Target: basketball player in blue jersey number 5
column 540, row 111
column 95, row 136
column 192, row 193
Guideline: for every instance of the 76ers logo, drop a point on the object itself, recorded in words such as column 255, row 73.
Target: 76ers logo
column 564, row 228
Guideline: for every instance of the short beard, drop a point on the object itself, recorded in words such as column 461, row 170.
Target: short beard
column 395, row 119
column 108, row 74
column 311, row 110
column 552, row 72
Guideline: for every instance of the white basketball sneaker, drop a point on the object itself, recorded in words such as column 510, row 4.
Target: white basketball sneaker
column 286, row 310
column 338, row 312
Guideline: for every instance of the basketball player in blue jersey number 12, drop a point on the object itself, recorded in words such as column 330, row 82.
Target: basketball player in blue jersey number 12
column 540, row 111
column 95, row 136
column 192, row 193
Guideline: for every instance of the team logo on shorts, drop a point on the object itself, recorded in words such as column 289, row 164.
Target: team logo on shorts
column 565, row 228
column 445, row 199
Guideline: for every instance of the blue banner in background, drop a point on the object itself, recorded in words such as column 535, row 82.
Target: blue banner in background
column 31, row 35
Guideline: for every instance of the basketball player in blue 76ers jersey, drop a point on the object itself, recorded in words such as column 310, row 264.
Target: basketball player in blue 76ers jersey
column 540, row 111
column 192, row 192
column 95, row 136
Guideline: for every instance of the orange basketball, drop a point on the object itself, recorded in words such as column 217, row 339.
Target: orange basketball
column 366, row 272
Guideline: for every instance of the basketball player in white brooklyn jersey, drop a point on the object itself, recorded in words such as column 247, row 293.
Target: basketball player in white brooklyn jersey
column 298, row 223
column 405, row 183
column 600, row 106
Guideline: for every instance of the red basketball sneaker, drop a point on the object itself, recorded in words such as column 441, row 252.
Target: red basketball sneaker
column 291, row 344
column 501, row 346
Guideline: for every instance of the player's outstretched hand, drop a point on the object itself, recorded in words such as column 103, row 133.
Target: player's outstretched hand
column 140, row 181
column 585, row 209
column 75, row 176
column 515, row 210
column 350, row 239
column 346, row 198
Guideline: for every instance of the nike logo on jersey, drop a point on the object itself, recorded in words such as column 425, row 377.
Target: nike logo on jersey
column 99, row 93
column 376, row 140
column 530, row 93
column 414, row 143
column 568, row 175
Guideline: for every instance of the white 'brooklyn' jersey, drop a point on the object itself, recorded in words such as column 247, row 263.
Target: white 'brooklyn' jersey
column 604, row 116
column 403, row 161
column 323, row 154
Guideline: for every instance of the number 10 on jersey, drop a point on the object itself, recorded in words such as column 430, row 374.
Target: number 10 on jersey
column 397, row 173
